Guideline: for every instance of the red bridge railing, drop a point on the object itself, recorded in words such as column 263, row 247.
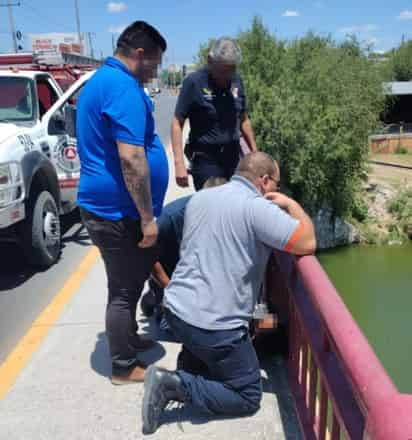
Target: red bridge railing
column 341, row 389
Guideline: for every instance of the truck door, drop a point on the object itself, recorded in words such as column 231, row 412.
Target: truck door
column 52, row 146
column 62, row 142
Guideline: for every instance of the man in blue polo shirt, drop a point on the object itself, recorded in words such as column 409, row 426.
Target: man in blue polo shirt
column 123, row 180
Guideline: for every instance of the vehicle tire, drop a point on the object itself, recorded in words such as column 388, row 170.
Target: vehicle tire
column 75, row 215
column 42, row 231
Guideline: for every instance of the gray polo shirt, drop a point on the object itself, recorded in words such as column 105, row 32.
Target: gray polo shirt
column 227, row 239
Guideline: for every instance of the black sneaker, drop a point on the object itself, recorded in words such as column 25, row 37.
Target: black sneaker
column 160, row 387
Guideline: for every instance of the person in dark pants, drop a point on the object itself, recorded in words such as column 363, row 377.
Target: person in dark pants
column 213, row 100
column 170, row 225
column 123, row 180
column 229, row 234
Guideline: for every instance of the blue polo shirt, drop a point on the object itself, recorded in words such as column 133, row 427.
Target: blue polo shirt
column 114, row 107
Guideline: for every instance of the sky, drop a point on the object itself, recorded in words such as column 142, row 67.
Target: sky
column 187, row 23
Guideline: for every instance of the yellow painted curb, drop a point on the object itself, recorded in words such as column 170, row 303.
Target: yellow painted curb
column 22, row 353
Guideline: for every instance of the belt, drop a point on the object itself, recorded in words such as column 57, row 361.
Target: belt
column 209, row 151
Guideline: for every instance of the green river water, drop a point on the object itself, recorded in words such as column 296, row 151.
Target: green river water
column 376, row 285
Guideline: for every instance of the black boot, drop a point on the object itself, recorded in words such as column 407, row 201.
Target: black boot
column 160, row 387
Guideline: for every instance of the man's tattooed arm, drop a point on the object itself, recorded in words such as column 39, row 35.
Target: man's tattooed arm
column 136, row 175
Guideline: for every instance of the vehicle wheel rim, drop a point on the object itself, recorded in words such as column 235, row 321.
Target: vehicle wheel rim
column 51, row 228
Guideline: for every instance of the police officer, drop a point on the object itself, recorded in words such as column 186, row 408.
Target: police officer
column 213, row 100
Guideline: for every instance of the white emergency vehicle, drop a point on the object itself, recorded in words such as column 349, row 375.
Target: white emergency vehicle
column 39, row 166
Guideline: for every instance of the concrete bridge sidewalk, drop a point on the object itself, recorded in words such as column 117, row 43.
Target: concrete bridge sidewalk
column 64, row 391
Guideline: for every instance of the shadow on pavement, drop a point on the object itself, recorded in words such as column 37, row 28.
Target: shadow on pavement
column 100, row 357
column 274, row 381
column 178, row 414
column 277, row 384
column 15, row 271
column 79, row 236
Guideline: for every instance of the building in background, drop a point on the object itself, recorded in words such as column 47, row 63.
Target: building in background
column 395, row 135
column 61, row 48
column 56, row 44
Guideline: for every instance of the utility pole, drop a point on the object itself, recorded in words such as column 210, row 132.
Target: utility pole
column 174, row 70
column 78, row 26
column 9, row 6
column 91, row 43
column 113, row 43
column 13, row 30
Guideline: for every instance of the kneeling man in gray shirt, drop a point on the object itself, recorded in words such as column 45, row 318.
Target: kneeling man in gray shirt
column 229, row 233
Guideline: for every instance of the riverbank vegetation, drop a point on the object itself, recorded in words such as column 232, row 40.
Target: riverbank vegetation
column 386, row 214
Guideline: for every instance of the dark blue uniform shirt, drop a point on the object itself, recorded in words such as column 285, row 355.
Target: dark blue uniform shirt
column 214, row 113
column 170, row 225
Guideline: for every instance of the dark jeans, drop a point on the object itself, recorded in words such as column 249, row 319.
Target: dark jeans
column 127, row 269
column 219, row 165
column 219, row 369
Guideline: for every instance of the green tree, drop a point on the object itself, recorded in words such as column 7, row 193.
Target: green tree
column 164, row 77
column 201, row 58
column 178, row 78
column 399, row 64
column 313, row 104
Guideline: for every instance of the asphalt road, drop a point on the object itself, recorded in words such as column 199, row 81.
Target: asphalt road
column 24, row 293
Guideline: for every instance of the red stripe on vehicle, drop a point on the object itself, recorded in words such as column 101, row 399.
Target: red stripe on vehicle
column 69, row 183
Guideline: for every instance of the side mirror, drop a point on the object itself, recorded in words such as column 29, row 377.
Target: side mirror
column 63, row 121
column 57, row 124
column 70, row 120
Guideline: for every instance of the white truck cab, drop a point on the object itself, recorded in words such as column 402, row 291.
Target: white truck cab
column 39, row 166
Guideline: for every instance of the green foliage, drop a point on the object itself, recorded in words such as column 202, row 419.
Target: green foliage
column 164, row 76
column 401, row 208
column 312, row 103
column 401, row 205
column 400, row 149
column 178, row 78
column 201, row 58
column 371, row 234
column 171, row 78
column 399, row 64
column 359, row 208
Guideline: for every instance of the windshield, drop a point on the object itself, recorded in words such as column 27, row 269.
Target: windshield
column 17, row 100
